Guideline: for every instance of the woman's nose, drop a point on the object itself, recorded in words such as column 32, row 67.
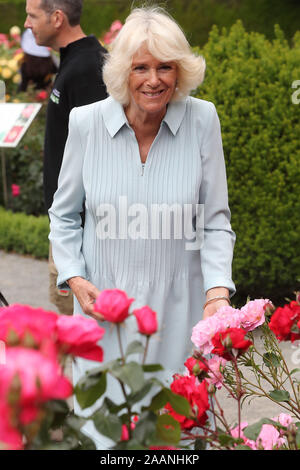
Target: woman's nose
column 153, row 78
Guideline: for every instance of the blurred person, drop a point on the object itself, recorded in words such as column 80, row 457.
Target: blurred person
column 56, row 24
column 37, row 66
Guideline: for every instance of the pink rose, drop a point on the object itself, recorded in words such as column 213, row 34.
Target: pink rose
column 10, row 437
column 253, row 313
column 35, row 377
column 78, row 336
column 15, row 190
column 205, row 330
column 269, row 438
column 215, row 367
column 146, row 320
column 113, row 304
column 21, row 324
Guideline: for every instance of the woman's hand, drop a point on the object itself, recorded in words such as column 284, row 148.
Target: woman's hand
column 211, row 309
column 86, row 294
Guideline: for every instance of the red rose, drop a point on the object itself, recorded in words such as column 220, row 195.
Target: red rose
column 283, row 320
column 196, row 367
column 78, row 336
column 42, row 95
column 113, row 304
column 232, row 338
column 196, row 394
column 146, row 320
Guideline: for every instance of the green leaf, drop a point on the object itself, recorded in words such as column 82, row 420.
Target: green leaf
column 109, row 425
column 145, row 428
column 135, row 347
column 138, row 396
column 158, row 401
column 90, row 388
column 168, row 429
column 294, row 371
column 227, row 440
column 178, row 403
column 131, row 374
column 152, row 368
column 271, row 359
column 280, row 395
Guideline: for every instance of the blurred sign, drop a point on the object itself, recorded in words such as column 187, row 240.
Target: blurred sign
column 15, row 118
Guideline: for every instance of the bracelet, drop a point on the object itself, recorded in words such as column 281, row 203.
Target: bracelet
column 219, row 297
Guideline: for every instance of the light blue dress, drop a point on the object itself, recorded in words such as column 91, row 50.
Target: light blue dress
column 185, row 166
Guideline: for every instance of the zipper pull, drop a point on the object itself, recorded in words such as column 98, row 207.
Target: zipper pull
column 143, row 167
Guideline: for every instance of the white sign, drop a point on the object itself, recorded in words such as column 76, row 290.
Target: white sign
column 15, row 118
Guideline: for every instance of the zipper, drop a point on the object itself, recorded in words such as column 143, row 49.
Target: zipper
column 143, row 168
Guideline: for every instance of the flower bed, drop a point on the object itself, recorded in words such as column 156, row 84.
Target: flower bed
column 186, row 415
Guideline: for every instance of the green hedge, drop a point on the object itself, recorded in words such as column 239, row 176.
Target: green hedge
column 249, row 79
column 196, row 17
column 24, row 234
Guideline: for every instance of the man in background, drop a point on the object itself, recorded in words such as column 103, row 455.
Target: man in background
column 56, row 24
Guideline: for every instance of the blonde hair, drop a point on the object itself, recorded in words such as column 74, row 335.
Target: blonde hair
column 165, row 41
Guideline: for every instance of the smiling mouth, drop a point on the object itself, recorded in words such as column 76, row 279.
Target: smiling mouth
column 153, row 94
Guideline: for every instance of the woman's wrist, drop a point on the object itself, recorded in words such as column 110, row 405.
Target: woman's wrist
column 217, row 294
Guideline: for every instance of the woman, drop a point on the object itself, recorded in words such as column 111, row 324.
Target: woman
column 146, row 148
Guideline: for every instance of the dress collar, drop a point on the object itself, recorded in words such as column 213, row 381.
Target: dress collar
column 115, row 117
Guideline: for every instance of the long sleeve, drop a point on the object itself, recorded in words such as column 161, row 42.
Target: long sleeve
column 219, row 239
column 65, row 219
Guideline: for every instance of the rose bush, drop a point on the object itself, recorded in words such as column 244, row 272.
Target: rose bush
column 186, row 415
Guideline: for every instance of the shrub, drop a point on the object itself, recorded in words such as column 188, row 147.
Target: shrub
column 24, row 234
column 249, row 79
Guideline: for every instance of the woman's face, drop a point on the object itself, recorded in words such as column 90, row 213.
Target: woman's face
column 151, row 83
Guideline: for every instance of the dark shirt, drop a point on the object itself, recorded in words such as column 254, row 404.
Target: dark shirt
column 78, row 82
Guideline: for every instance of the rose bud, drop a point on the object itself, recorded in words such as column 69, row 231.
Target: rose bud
column 146, row 320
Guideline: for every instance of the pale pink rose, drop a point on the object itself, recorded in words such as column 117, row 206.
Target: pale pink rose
column 284, row 419
column 235, row 434
column 253, row 313
column 19, row 321
column 113, row 304
column 269, row 438
column 37, row 377
column 215, row 376
column 10, row 437
column 78, row 336
column 203, row 332
column 146, row 320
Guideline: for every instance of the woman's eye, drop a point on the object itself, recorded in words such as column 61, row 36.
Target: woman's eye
column 139, row 67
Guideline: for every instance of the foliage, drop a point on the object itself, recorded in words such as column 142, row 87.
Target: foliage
column 196, row 18
column 24, row 234
column 10, row 58
column 250, row 81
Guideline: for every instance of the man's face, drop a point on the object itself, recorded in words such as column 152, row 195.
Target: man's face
column 40, row 23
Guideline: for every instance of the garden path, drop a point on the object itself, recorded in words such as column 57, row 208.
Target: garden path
column 25, row 280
